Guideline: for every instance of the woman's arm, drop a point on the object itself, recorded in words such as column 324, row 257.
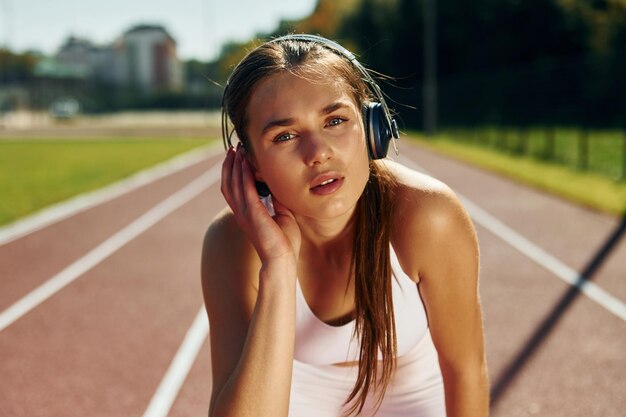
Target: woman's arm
column 449, row 287
column 252, row 321
column 437, row 247
column 251, row 351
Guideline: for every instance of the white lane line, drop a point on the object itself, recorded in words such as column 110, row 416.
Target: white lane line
column 535, row 253
column 109, row 246
column 74, row 205
column 175, row 376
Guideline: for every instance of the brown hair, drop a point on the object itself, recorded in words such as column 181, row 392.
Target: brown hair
column 375, row 321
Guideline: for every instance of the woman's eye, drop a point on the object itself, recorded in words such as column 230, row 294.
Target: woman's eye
column 284, row 137
column 336, row 121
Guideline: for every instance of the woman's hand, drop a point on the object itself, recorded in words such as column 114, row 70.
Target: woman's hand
column 274, row 238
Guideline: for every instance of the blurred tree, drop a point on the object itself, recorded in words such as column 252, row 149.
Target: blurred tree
column 230, row 55
column 16, row 68
column 371, row 29
column 387, row 36
column 326, row 19
column 507, row 62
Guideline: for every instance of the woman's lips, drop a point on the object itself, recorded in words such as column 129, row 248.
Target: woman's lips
column 324, row 177
column 328, row 186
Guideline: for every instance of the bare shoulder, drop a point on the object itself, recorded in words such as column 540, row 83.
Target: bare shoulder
column 228, row 268
column 415, row 181
column 428, row 218
column 422, row 197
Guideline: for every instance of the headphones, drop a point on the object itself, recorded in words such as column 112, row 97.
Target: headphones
column 380, row 126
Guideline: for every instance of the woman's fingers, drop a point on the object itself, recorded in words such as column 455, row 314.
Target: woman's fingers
column 237, row 184
column 238, row 187
column 270, row 236
column 287, row 222
column 232, row 180
column 257, row 212
column 249, row 189
column 227, row 168
column 280, row 209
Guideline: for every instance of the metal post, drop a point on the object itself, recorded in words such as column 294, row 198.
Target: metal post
column 430, row 67
column 522, row 141
column 549, row 150
column 624, row 155
column 583, row 150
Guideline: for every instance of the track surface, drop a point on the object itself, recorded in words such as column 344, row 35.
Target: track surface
column 119, row 337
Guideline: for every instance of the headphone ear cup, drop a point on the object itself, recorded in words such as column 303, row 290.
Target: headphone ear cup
column 377, row 130
column 262, row 189
column 365, row 112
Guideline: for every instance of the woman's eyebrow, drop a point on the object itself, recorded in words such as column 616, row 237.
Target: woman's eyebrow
column 334, row 106
column 290, row 120
column 273, row 123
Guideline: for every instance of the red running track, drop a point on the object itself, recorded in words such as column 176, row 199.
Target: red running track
column 122, row 336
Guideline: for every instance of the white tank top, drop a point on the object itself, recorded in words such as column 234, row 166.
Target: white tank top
column 318, row 343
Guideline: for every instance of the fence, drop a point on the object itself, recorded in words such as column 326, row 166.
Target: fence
column 596, row 151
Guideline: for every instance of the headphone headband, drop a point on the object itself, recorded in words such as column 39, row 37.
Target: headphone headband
column 317, row 39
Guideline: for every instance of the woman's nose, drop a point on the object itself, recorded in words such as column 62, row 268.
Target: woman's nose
column 318, row 149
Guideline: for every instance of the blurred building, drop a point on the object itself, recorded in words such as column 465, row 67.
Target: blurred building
column 149, row 55
column 144, row 57
column 76, row 53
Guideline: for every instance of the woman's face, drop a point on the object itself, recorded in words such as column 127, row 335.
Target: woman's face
column 308, row 144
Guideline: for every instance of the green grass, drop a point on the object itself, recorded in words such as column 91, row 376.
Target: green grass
column 37, row 173
column 605, row 148
column 589, row 189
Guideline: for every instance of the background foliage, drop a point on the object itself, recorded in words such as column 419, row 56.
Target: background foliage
column 502, row 62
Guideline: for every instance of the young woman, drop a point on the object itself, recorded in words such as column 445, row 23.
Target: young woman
column 356, row 293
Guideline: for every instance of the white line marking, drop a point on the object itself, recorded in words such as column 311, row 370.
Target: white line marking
column 74, row 205
column 543, row 258
column 175, row 376
column 109, row 246
column 535, row 253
